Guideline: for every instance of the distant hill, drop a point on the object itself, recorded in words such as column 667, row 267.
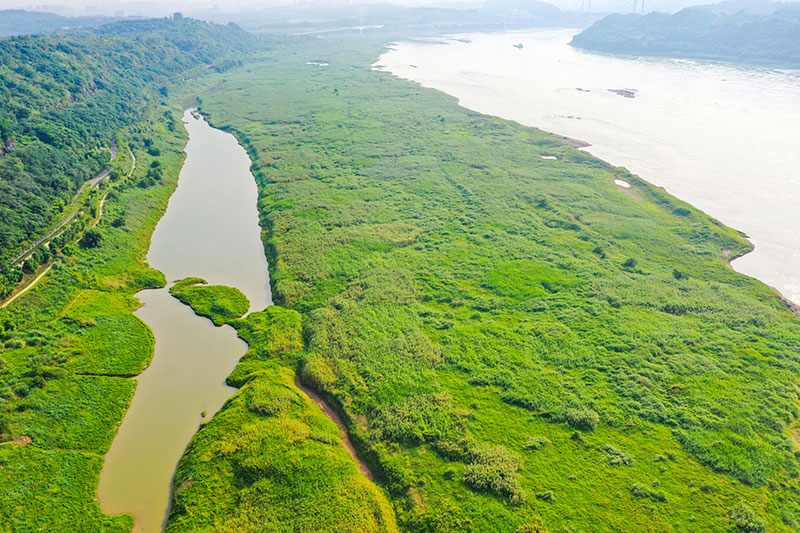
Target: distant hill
column 321, row 16
column 21, row 22
column 746, row 32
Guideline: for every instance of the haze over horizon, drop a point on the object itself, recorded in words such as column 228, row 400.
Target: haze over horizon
column 154, row 8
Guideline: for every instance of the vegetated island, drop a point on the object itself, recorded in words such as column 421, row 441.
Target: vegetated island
column 732, row 32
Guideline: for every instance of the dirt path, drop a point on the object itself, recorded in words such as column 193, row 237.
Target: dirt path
column 28, row 287
column 52, row 233
column 330, row 413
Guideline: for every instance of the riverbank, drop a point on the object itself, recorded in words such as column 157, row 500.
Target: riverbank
column 284, row 449
column 65, row 344
column 717, row 136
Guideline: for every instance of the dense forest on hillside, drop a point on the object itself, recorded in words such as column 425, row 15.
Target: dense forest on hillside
column 762, row 38
column 64, row 97
column 69, row 345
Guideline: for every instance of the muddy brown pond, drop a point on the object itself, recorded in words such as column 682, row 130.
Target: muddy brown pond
column 210, row 230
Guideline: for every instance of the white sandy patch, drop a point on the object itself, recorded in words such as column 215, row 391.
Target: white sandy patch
column 624, row 184
column 549, row 157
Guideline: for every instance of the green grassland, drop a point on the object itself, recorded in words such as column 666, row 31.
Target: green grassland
column 219, row 303
column 271, row 460
column 69, row 347
column 513, row 342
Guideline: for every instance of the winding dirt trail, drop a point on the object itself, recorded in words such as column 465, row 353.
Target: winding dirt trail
column 94, row 181
column 334, row 416
column 90, row 184
column 27, row 287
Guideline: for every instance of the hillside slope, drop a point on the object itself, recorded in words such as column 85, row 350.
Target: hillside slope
column 762, row 38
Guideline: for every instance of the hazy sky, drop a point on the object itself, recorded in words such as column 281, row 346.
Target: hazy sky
column 130, row 7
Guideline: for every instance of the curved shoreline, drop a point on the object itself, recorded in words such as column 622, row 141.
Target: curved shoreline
column 461, row 96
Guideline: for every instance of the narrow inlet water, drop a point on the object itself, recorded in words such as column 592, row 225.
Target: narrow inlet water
column 211, row 230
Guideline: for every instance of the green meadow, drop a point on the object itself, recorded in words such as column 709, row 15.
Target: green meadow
column 515, row 343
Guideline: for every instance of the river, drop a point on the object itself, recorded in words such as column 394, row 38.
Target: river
column 211, row 230
column 724, row 138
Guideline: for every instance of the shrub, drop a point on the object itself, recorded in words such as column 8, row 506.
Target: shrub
column 583, row 419
column 454, row 450
column 617, row 457
column 640, row 491
column 747, row 520
column 535, row 443
column 496, row 470
column 630, row 263
column 533, row 527
column 416, row 419
column 91, row 239
column 14, row 344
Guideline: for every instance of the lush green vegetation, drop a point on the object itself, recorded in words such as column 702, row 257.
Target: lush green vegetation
column 68, row 347
column 219, row 303
column 65, row 97
column 271, row 460
column 513, row 342
column 771, row 38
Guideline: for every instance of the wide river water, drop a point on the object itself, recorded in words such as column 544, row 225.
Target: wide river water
column 211, row 230
column 723, row 138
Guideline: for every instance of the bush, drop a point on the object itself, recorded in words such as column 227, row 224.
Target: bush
column 583, row 419
column 617, row 457
column 747, row 520
column 640, row 491
column 630, row 263
column 535, row 443
column 496, row 470
column 417, row 419
column 454, row 450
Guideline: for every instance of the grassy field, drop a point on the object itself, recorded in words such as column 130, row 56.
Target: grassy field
column 69, row 347
column 515, row 343
column 271, row 460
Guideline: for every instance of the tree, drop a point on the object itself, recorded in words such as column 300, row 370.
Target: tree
column 91, row 239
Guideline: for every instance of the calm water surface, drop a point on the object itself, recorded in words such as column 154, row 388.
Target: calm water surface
column 723, row 138
column 211, row 230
